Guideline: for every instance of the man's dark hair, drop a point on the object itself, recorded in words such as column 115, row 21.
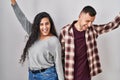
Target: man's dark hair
column 90, row 10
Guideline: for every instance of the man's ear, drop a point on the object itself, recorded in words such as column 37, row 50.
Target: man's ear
column 80, row 15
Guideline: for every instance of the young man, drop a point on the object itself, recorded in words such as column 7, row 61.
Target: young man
column 79, row 46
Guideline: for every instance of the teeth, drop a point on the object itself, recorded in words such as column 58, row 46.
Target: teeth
column 45, row 30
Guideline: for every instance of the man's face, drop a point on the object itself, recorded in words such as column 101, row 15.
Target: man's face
column 85, row 20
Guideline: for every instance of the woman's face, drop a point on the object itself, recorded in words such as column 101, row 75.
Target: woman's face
column 45, row 27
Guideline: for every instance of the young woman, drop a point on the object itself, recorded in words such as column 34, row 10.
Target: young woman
column 42, row 49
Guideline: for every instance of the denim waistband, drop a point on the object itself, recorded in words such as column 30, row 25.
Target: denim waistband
column 38, row 71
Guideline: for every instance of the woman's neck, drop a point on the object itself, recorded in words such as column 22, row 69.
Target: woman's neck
column 43, row 37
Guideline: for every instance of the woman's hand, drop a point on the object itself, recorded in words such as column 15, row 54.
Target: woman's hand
column 13, row 2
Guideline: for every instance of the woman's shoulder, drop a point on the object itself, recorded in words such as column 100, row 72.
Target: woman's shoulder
column 54, row 42
column 54, row 39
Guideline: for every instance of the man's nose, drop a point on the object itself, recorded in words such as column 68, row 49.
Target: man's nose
column 89, row 24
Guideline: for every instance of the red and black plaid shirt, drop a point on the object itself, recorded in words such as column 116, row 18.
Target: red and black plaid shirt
column 91, row 34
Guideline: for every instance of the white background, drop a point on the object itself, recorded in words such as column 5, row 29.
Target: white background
column 12, row 36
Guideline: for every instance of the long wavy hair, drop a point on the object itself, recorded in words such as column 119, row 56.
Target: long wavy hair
column 35, row 32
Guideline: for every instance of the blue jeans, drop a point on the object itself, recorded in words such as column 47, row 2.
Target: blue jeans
column 48, row 74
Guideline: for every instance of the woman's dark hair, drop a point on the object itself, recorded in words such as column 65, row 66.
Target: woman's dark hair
column 35, row 32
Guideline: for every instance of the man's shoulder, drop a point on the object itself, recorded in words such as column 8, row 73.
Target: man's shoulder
column 66, row 26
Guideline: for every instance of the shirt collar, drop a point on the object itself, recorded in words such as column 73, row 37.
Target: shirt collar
column 72, row 25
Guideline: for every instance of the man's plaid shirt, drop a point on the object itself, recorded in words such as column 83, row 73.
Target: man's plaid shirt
column 91, row 34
